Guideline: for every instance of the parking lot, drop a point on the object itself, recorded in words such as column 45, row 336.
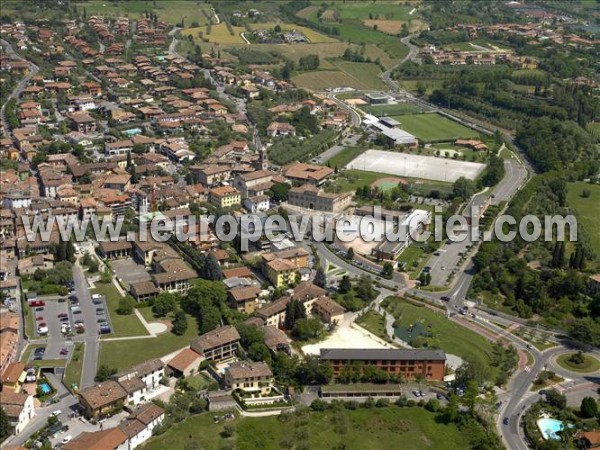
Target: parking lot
column 49, row 315
column 128, row 271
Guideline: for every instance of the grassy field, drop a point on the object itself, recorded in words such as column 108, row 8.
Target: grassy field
column 171, row 11
column 219, row 34
column 374, row 322
column 345, row 156
column 124, row 354
column 382, row 10
column 356, row 75
column 410, row 256
column 590, row 364
column 121, row 325
column 313, row 36
column 398, row 109
column 594, row 128
column 433, row 127
column 28, row 351
column 450, row 336
column 351, row 179
column 75, row 367
column 364, row 429
column 587, row 210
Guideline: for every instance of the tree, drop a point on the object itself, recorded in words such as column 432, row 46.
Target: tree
column 320, row 278
column 589, row 407
column 211, row 269
column 469, row 399
column 104, row 373
column 345, row 285
column 350, row 253
column 463, row 188
column 577, row 358
column 556, row 399
column 258, row 351
column 388, row 269
column 179, row 323
column 305, row 329
column 279, row 192
column 165, row 303
column 126, row 305
column 5, row 427
column 294, row 311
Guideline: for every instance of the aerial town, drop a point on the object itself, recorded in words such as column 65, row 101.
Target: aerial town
column 283, row 225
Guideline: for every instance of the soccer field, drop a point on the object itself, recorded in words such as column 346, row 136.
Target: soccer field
column 408, row 165
column 433, row 127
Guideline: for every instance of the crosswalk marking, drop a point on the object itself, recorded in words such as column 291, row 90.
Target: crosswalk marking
column 527, row 369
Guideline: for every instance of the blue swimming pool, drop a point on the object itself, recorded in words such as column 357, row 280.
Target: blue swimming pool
column 132, row 131
column 45, row 387
column 549, row 428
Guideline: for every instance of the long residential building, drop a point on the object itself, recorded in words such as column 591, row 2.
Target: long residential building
column 400, row 362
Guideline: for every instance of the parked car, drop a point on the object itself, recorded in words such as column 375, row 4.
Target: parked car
column 39, row 318
column 505, row 421
column 64, row 352
column 66, row 439
column 56, row 413
column 42, row 330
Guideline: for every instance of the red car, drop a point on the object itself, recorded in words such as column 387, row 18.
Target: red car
column 64, row 352
column 38, row 318
column 43, row 324
column 63, row 315
column 37, row 303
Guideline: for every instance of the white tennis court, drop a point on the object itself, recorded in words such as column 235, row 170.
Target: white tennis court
column 409, row 165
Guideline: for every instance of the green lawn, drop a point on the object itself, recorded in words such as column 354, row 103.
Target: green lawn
column 391, row 110
column 75, row 366
column 124, row 354
column 122, row 326
column 350, row 180
column 361, row 10
column 433, row 127
column 589, row 365
column 374, row 322
column 410, row 256
column 587, row 210
column 171, row 11
column 345, row 156
column 201, row 381
column 361, row 429
column 450, row 336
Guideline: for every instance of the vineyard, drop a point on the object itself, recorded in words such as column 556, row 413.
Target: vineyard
column 294, row 149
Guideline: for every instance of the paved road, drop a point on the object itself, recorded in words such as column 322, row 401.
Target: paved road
column 386, row 76
column 91, row 337
column 19, row 87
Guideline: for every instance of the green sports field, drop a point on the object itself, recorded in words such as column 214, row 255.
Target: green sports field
column 434, row 128
column 398, row 109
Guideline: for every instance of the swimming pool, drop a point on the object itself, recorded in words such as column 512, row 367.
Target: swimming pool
column 549, row 428
column 132, row 131
column 45, row 387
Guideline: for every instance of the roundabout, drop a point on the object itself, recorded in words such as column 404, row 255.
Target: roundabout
column 578, row 362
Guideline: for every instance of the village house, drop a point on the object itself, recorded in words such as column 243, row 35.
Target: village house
column 249, row 376
column 19, row 409
column 217, row 345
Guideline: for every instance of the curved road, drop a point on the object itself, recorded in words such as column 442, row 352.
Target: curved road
column 33, row 70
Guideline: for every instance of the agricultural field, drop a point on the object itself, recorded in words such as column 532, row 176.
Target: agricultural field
column 434, row 128
column 352, row 29
column 219, row 34
column 394, row 27
column 364, row 429
column 313, row 36
column 356, row 75
column 171, row 11
column 587, row 209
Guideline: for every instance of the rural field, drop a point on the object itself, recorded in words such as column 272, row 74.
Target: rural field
column 587, row 209
column 364, row 429
column 356, row 75
column 433, row 127
column 219, row 34
column 171, row 11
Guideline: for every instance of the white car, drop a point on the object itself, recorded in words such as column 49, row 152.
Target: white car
column 56, row 413
column 66, row 439
column 42, row 330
